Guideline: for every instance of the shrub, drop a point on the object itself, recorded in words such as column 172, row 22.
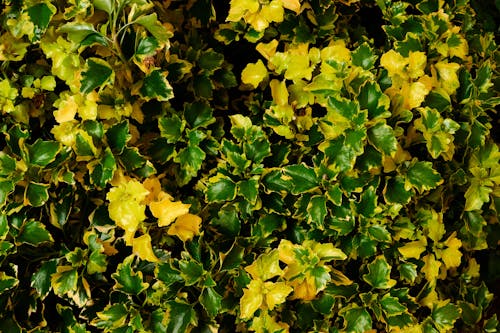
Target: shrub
column 252, row 165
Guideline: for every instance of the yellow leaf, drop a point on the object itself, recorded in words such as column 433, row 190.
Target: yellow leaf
column 273, row 12
column 413, row 249
column 166, row 210
column 431, row 267
column 293, row 5
column 435, row 226
column 416, row 64
column 305, row 290
column 325, row 251
column 394, row 63
column 265, row 266
column 414, row 94
column 240, row 7
column 252, row 299
column 153, row 185
column 125, row 204
column 143, row 249
column 431, row 298
column 279, row 92
column 186, row 227
column 336, row 52
column 276, row 293
column 65, row 133
column 254, row 74
column 448, row 76
column 286, row 251
column 66, row 108
column 451, row 256
column 267, row 50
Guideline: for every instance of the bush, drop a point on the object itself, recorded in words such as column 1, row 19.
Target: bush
column 258, row 165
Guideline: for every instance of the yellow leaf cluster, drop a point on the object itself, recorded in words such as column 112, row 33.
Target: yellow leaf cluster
column 259, row 15
column 265, row 295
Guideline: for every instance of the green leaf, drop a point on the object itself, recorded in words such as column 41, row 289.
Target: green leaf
column 106, row 5
column 391, row 306
column 198, row 114
column 127, row 280
column 104, row 170
column 79, row 31
column 395, row 191
column 43, row 152
column 155, row 28
column 211, row 301
column 132, row 159
column 378, row 275
column 317, row 211
column 34, row 233
column 476, row 195
column 444, row 315
column 6, row 187
column 249, row 189
column 167, row 274
column 233, row 258
column 37, row 194
column 408, row 272
column 191, row 160
column 98, row 72
column 41, row 14
column 179, row 317
column 381, row 136
column 379, row 233
column 7, row 164
column 210, row 60
column 374, row 100
column 112, row 317
column 221, row 189
column 302, row 178
column 171, row 128
column 227, row 221
column 156, row 86
column 471, row 314
column 402, row 321
column 7, row 282
column 41, row 279
column 356, row 319
column 191, row 271
column 84, row 145
column 368, row 202
column 147, row 46
column 64, row 280
column 118, row 135
column 363, row 56
column 203, row 86
column 422, row 176
column 4, row 226
column 9, row 325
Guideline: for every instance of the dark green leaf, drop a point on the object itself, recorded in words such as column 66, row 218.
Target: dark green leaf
column 356, row 320
column 401, row 320
column 368, row 202
column 167, row 274
column 113, row 316
column 118, row 135
column 98, row 72
column 132, row 159
column 408, row 271
column 303, row 178
column 78, row 31
column 249, row 189
column 171, row 128
column 147, row 46
column 103, row 172
column 41, row 14
column 64, row 280
column 7, row 164
column 395, row 191
column 391, row 305
column 191, row 271
column 233, row 258
column 378, row 275
column 422, row 176
column 84, row 145
column 277, row 182
column 7, row 282
column 317, row 211
column 37, row 194
column 445, row 315
column 203, row 86
column 371, row 98
column 41, row 279
column 127, row 280
column 180, row 316
column 6, row 187
column 198, row 114
column 363, row 56
column 381, row 136
column 210, row 60
column 227, row 221
column 211, row 301
column 222, row 189
column 43, row 152
column 4, row 226
column 156, row 86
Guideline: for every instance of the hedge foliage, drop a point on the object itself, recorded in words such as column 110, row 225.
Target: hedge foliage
column 252, row 165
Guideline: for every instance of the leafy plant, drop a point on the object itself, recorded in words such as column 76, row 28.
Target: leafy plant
column 264, row 166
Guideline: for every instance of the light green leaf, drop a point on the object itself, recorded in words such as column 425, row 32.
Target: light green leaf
column 155, row 28
column 444, row 314
column 106, row 5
